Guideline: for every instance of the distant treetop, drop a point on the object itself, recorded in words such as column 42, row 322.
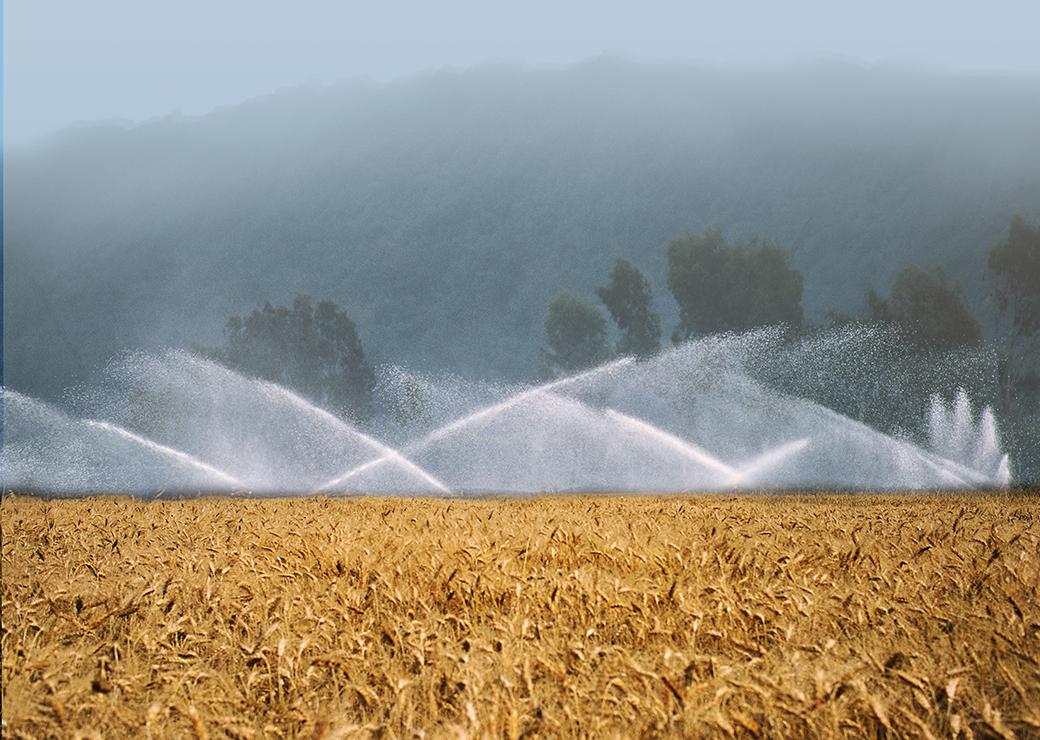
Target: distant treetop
column 315, row 351
column 731, row 286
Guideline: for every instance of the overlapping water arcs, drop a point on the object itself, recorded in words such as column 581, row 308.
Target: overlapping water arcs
column 689, row 419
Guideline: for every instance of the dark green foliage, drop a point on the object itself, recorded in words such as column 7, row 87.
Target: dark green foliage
column 627, row 297
column 315, row 351
column 928, row 310
column 731, row 286
column 1015, row 270
column 576, row 333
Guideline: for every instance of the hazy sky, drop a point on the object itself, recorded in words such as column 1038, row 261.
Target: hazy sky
column 74, row 60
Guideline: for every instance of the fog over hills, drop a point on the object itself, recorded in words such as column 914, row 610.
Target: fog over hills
column 442, row 211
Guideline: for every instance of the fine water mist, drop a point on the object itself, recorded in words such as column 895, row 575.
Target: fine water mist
column 718, row 413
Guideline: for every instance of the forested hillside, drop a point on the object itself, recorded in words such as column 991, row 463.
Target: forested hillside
column 442, row 212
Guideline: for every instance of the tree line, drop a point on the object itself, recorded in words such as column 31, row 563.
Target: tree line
column 719, row 285
column 733, row 286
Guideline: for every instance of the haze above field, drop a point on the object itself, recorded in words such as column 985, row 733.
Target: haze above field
column 67, row 61
column 441, row 212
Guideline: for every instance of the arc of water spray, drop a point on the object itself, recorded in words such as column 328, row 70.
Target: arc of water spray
column 960, row 474
column 501, row 406
column 388, row 453
column 944, row 472
column 690, row 450
column 941, row 465
column 178, row 455
column 483, row 413
column 733, row 475
column 772, row 457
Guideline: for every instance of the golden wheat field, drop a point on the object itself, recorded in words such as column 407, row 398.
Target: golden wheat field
column 555, row 616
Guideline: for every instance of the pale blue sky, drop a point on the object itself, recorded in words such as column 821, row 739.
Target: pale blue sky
column 75, row 60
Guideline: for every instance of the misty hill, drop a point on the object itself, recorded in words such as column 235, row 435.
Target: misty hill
column 441, row 212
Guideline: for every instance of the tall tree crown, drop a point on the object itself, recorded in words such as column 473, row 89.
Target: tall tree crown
column 576, row 335
column 731, row 286
column 316, row 351
column 931, row 311
column 627, row 298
